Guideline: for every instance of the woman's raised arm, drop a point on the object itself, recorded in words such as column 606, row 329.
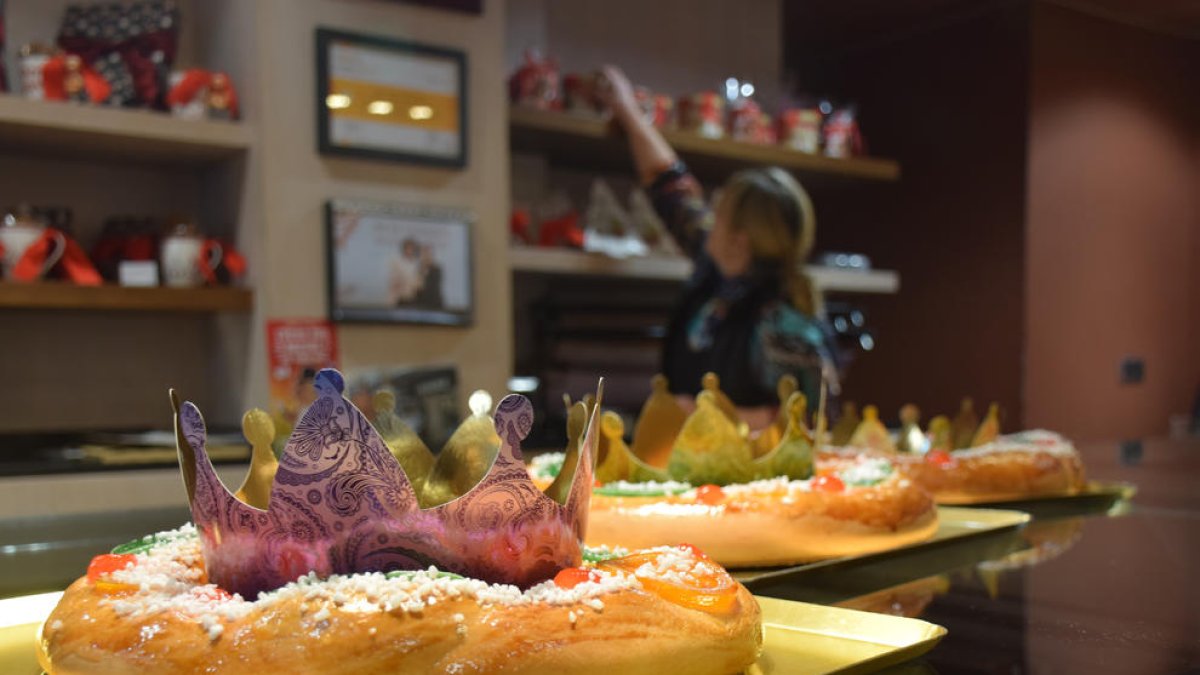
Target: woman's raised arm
column 651, row 154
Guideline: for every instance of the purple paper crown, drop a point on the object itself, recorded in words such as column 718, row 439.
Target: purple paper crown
column 341, row 504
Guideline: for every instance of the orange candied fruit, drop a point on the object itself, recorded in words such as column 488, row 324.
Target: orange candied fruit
column 695, row 550
column 571, row 577
column 710, row 494
column 828, row 483
column 708, row 587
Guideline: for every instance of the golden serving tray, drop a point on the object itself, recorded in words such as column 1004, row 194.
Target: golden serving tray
column 20, row 618
column 1095, row 497
column 982, row 533
column 799, row 638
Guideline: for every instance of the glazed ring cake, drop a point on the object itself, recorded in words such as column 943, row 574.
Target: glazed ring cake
column 670, row 609
column 852, row 506
column 1026, row 464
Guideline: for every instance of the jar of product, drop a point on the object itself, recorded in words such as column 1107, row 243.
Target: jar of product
column 33, row 59
column 800, row 129
column 703, row 114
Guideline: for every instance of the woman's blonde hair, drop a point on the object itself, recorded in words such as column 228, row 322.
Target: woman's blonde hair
column 778, row 217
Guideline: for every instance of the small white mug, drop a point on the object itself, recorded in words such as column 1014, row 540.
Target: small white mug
column 180, row 259
column 17, row 239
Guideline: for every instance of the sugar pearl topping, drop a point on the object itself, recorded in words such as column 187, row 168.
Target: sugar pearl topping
column 167, row 578
column 1033, row 441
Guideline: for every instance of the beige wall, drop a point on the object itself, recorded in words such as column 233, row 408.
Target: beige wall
column 1113, row 230
column 297, row 182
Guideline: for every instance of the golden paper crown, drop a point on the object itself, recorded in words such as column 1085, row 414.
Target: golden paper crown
column 965, row 431
column 711, row 445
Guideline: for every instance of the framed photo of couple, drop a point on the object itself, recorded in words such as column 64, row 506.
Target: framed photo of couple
column 396, row 263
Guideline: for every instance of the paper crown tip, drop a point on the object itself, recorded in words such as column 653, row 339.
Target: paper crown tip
column 329, row 382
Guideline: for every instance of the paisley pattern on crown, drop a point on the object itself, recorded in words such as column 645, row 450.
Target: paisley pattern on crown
column 341, row 504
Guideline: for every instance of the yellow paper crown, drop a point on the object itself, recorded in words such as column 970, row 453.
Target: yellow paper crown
column 711, row 445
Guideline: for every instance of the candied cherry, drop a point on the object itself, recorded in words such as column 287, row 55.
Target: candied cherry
column 828, row 483
column 104, row 565
column 710, row 494
column 938, row 457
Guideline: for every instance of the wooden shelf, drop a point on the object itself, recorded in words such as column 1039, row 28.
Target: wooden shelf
column 564, row 261
column 58, row 128
column 584, row 141
column 51, row 295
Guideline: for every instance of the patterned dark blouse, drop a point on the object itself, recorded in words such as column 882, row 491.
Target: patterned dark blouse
column 744, row 329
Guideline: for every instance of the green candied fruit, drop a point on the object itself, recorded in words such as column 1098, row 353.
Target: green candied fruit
column 859, row 479
column 401, row 574
column 138, row 545
column 596, row 555
column 553, row 468
column 633, row 489
column 548, row 465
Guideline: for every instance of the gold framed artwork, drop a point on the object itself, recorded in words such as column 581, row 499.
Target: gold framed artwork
column 386, row 99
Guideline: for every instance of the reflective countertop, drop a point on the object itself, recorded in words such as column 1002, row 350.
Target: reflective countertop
column 1091, row 592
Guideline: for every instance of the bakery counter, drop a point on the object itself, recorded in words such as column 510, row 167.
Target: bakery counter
column 1100, row 591
column 51, row 525
column 1096, row 592
column 46, row 553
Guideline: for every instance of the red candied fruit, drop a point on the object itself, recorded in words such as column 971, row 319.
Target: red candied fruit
column 710, row 494
column 104, row 565
column 938, row 457
column 828, row 483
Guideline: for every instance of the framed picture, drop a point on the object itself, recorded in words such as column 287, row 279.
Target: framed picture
column 398, row 263
column 381, row 98
column 465, row 6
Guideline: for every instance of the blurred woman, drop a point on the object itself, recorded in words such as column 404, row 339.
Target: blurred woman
column 749, row 313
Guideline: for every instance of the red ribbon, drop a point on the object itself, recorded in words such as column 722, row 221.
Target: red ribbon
column 233, row 262
column 190, row 85
column 561, row 231
column 73, row 266
column 54, row 76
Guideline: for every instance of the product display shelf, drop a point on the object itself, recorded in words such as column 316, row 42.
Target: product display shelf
column 561, row 261
column 584, row 141
column 50, row 295
column 65, row 129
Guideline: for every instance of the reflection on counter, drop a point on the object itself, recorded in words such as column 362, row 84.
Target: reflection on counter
column 908, row 599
